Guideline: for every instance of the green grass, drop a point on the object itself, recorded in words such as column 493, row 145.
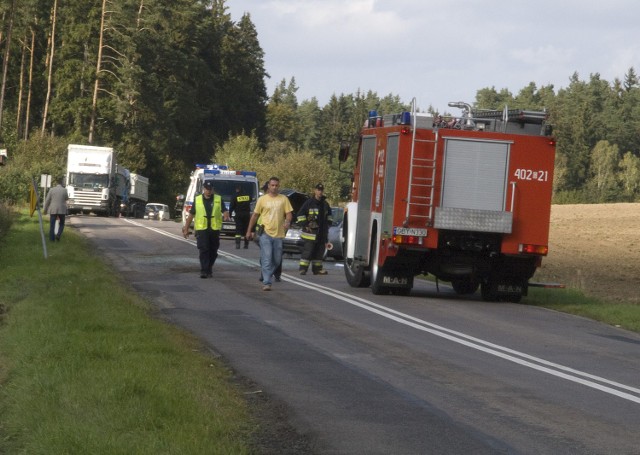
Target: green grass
column 86, row 368
column 572, row 301
column 619, row 314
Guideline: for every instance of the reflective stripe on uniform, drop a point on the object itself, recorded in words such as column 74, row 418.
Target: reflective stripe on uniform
column 200, row 221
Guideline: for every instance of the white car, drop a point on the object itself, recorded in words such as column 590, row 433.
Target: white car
column 155, row 211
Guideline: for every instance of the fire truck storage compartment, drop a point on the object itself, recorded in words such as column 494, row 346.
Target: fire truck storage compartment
column 365, row 197
column 390, row 171
column 474, row 186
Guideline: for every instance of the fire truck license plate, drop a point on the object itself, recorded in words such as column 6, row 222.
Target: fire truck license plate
column 410, row 231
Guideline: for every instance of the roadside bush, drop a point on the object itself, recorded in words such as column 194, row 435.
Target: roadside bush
column 5, row 219
column 28, row 161
column 571, row 197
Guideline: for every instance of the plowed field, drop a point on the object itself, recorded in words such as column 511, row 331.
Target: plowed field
column 596, row 249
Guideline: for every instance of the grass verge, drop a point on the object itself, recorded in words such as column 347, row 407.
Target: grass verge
column 85, row 368
column 572, row 301
column 619, row 314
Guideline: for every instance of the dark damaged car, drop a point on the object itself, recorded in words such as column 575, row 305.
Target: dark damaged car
column 292, row 243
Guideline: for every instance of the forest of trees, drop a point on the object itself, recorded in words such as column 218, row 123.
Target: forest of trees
column 172, row 83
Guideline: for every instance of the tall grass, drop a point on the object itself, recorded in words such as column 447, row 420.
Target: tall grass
column 572, row 301
column 84, row 368
column 5, row 218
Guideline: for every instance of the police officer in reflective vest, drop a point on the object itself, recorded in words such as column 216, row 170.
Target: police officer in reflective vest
column 207, row 212
column 241, row 208
column 315, row 218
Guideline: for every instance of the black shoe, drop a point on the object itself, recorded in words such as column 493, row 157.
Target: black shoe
column 278, row 279
column 246, row 246
column 303, row 272
column 57, row 238
column 209, row 275
column 203, row 275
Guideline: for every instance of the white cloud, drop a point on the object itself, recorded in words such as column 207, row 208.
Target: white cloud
column 439, row 51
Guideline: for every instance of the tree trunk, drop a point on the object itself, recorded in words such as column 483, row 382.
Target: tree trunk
column 5, row 63
column 50, row 74
column 139, row 15
column 94, row 104
column 27, row 113
column 21, row 87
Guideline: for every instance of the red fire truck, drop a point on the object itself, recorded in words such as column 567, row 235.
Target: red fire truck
column 465, row 199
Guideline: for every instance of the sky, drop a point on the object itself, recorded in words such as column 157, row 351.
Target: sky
column 440, row 51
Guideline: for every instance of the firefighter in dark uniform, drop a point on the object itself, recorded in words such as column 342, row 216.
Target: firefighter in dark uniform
column 241, row 208
column 208, row 213
column 315, row 218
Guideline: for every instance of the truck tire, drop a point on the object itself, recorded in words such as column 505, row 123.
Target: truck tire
column 356, row 274
column 488, row 291
column 377, row 285
column 376, row 277
column 401, row 291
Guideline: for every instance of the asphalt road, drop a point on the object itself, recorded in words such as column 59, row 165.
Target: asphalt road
column 365, row 374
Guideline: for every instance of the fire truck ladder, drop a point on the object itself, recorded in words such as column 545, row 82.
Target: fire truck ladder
column 422, row 173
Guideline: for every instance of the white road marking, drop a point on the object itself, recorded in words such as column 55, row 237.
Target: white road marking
column 520, row 358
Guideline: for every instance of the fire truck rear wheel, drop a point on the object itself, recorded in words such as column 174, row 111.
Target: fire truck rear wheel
column 401, row 291
column 489, row 292
column 376, row 272
column 357, row 276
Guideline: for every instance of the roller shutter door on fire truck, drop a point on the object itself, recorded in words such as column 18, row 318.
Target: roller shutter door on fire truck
column 474, row 186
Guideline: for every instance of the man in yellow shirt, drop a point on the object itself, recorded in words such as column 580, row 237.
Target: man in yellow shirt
column 275, row 213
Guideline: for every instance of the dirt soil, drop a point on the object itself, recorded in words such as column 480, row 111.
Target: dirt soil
column 596, row 249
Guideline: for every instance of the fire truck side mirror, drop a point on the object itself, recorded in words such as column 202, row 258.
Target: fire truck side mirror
column 343, row 154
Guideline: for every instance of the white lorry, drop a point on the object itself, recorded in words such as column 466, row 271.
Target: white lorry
column 91, row 179
column 95, row 183
column 225, row 182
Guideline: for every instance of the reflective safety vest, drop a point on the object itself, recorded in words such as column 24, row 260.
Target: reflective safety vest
column 200, row 221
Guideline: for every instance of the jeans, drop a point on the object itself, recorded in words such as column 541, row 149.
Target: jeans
column 52, row 227
column 270, row 256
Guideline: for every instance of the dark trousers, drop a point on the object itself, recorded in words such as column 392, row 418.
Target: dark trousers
column 208, row 242
column 52, row 227
column 312, row 253
column 242, row 223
